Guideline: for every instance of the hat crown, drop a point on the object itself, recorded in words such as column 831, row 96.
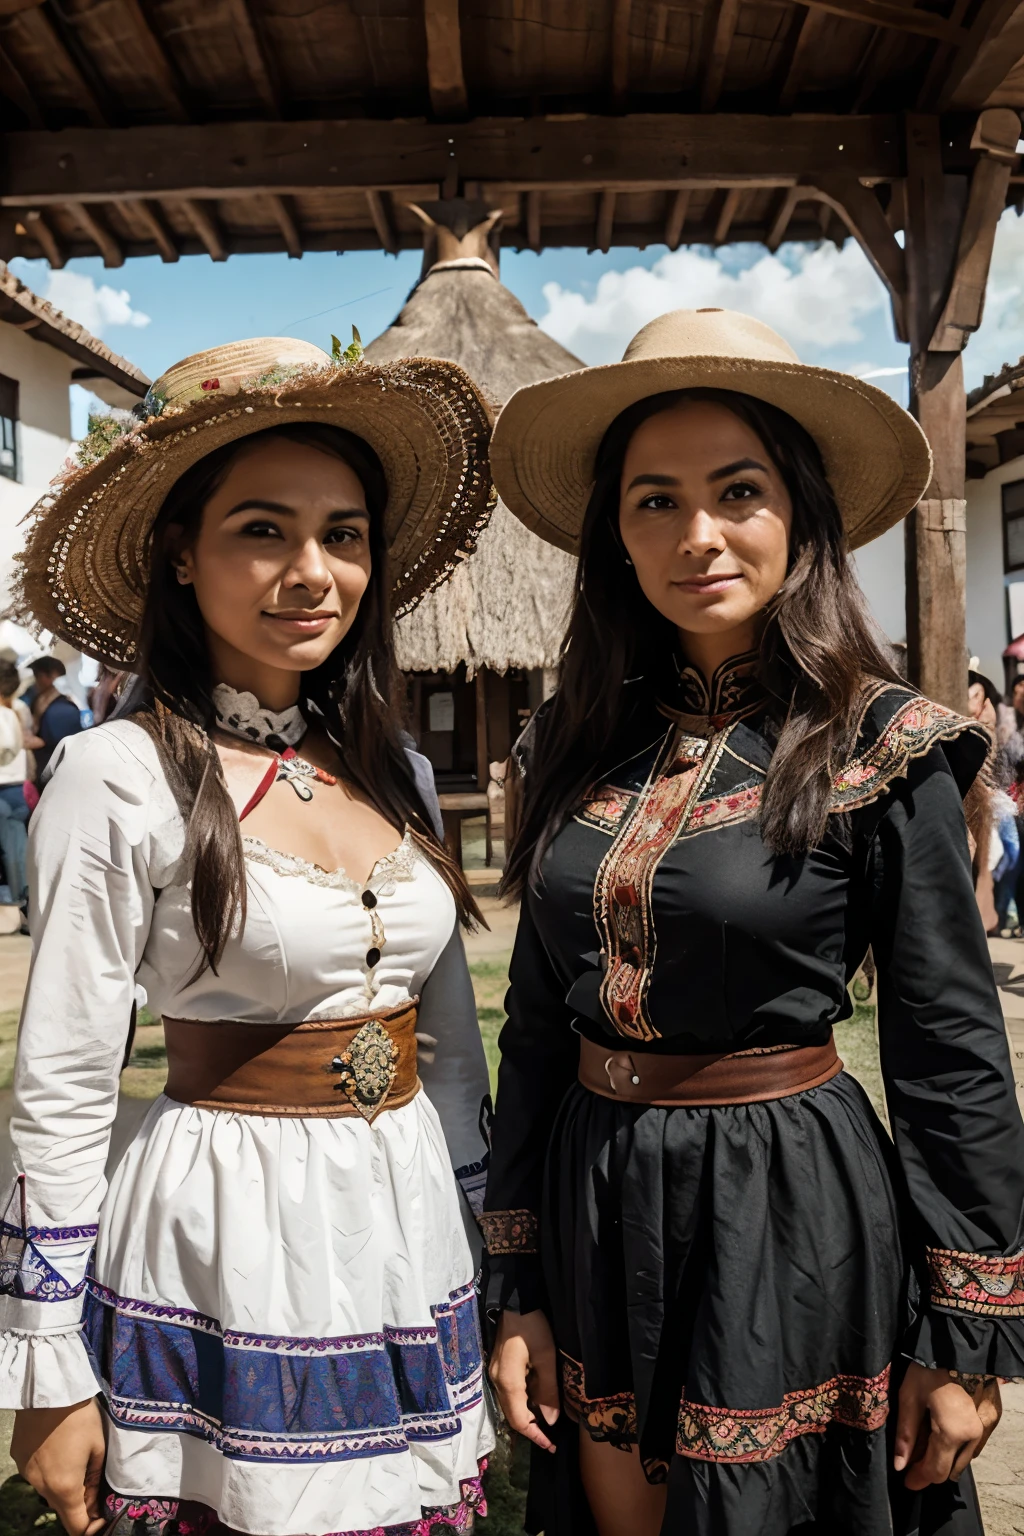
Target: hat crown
column 227, row 369
column 709, row 333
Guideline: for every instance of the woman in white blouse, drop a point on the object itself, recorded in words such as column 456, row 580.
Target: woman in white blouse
column 273, row 1294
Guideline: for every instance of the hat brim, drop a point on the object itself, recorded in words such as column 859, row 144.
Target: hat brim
column 546, row 440
column 85, row 569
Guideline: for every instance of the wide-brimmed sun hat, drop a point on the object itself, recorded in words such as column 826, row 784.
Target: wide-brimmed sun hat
column 84, row 572
column 545, row 444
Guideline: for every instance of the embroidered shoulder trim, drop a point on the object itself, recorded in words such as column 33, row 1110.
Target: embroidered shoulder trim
column 510, row 1232
column 913, row 730
column 385, row 874
column 992, row 1286
column 739, row 1435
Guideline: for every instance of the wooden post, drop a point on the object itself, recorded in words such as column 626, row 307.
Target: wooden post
column 936, row 535
column 483, row 762
column 950, row 229
column 937, row 286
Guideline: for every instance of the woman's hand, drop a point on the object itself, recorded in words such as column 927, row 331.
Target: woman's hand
column 525, row 1375
column 944, row 1422
column 60, row 1452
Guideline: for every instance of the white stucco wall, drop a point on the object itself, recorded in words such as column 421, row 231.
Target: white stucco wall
column 988, row 629
column 880, row 572
column 880, row 566
column 44, row 431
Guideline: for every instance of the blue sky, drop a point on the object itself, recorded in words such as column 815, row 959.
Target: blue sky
column 828, row 303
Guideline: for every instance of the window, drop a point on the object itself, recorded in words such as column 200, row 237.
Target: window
column 1013, row 525
column 8, row 428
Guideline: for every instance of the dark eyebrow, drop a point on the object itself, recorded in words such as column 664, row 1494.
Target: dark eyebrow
column 652, row 480
column 251, row 504
column 735, row 467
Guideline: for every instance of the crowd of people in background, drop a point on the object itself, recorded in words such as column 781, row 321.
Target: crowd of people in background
column 33, row 722
column 1001, row 861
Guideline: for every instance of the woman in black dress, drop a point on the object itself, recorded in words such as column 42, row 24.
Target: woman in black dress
column 763, row 1314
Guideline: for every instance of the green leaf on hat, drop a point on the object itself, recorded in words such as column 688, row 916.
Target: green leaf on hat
column 353, row 353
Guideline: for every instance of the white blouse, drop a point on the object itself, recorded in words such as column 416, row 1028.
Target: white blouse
column 303, row 1231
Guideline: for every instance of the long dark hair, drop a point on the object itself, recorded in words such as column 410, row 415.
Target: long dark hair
column 818, row 647
column 354, row 691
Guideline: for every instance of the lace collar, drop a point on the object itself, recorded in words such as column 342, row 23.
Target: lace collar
column 733, row 693
column 241, row 714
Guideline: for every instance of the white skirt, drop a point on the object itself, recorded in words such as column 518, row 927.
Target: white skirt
column 284, row 1320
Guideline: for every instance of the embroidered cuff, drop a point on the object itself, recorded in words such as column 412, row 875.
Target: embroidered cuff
column 977, row 1282
column 509, row 1232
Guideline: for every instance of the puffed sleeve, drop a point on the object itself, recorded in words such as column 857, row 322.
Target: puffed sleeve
column 91, row 908
column 539, row 1061
column 948, row 1081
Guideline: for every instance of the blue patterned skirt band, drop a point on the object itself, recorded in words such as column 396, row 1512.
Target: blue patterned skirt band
column 257, row 1397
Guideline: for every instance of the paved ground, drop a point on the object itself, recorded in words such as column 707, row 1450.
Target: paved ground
column 1000, row 1472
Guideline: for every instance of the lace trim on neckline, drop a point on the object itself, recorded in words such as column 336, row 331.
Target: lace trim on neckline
column 385, row 874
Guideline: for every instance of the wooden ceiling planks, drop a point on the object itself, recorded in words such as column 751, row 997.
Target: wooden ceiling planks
column 289, row 124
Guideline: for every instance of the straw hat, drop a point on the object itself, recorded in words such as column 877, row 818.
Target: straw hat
column 84, row 572
column 545, row 443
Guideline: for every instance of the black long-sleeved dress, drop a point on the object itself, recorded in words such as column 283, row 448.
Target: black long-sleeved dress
column 737, row 1290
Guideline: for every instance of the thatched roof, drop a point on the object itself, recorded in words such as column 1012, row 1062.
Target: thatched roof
column 506, row 606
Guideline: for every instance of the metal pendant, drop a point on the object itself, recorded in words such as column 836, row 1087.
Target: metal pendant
column 367, row 1069
column 294, row 771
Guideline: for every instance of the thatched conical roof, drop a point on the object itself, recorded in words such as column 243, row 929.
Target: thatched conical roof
column 506, row 606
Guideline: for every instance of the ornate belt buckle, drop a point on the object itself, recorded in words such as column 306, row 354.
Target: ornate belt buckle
column 367, row 1069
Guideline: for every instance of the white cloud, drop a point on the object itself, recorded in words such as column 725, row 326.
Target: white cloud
column 814, row 296
column 97, row 306
column 94, row 306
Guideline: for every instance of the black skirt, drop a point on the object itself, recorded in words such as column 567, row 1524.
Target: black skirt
column 727, row 1291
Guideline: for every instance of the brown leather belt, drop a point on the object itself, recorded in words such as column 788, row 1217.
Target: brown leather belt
column 745, row 1077
column 330, row 1068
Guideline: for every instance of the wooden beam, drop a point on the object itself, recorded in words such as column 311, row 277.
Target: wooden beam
column 12, row 85
column 898, row 18
column 991, row 17
column 864, row 217
column 723, row 224
column 283, row 211
column 45, row 238
column 807, row 41
column 149, row 215
column 999, row 56
column 204, row 222
column 718, row 56
column 533, row 220
column 782, row 216
column 678, row 207
column 444, row 57
column 605, row 220
column 63, row 48
column 157, row 63
column 379, row 205
column 221, row 160
column 92, row 221
column 935, row 205
column 995, row 135
column 941, row 61
column 621, row 13
column 258, row 59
